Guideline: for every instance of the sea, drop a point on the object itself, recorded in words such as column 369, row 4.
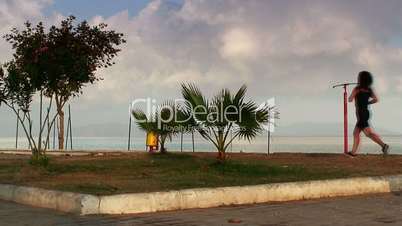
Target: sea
column 278, row 144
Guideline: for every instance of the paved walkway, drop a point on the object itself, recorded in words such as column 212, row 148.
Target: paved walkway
column 364, row 210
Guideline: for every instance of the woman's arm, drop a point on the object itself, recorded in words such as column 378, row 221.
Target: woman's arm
column 352, row 95
column 374, row 98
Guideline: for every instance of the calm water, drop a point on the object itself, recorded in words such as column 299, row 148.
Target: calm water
column 278, row 144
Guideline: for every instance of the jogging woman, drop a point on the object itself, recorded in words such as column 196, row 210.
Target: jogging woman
column 363, row 95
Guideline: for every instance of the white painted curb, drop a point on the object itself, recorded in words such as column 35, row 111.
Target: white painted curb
column 58, row 200
column 213, row 197
column 198, row 198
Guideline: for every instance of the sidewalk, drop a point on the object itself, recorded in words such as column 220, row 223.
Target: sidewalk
column 362, row 210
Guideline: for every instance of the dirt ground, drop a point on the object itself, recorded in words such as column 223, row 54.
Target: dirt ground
column 111, row 173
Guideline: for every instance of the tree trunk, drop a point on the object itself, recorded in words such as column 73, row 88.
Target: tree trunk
column 163, row 149
column 35, row 154
column 61, row 127
column 221, row 145
column 221, row 155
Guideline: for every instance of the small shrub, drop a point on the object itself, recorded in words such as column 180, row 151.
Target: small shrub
column 40, row 161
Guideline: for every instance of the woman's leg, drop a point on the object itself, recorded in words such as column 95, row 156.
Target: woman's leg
column 356, row 139
column 373, row 136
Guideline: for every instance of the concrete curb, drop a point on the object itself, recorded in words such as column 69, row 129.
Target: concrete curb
column 198, row 198
column 58, row 200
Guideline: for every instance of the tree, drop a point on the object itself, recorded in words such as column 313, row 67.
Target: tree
column 165, row 122
column 16, row 91
column 214, row 119
column 63, row 59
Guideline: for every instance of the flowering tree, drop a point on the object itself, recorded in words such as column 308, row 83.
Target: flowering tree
column 61, row 61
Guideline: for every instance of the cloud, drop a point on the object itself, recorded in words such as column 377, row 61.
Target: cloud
column 238, row 43
column 13, row 13
column 270, row 45
column 277, row 47
column 399, row 85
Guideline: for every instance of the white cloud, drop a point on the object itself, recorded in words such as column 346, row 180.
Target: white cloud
column 286, row 48
column 369, row 57
column 266, row 44
column 237, row 43
column 13, row 13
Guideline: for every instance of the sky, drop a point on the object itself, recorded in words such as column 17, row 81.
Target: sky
column 292, row 50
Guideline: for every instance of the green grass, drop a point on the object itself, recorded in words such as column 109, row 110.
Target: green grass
column 57, row 169
column 156, row 173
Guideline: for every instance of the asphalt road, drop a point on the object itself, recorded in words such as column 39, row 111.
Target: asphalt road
column 361, row 210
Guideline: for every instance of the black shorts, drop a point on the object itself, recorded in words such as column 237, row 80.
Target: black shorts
column 363, row 117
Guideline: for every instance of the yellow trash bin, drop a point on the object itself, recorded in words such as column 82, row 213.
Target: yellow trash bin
column 152, row 141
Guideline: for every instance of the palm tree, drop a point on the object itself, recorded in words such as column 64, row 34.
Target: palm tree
column 216, row 118
column 162, row 122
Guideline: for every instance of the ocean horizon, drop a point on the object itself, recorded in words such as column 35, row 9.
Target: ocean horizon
column 304, row 144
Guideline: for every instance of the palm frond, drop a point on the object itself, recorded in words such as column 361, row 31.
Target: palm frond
column 246, row 119
column 249, row 126
column 196, row 102
column 239, row 97
column 143, row 122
